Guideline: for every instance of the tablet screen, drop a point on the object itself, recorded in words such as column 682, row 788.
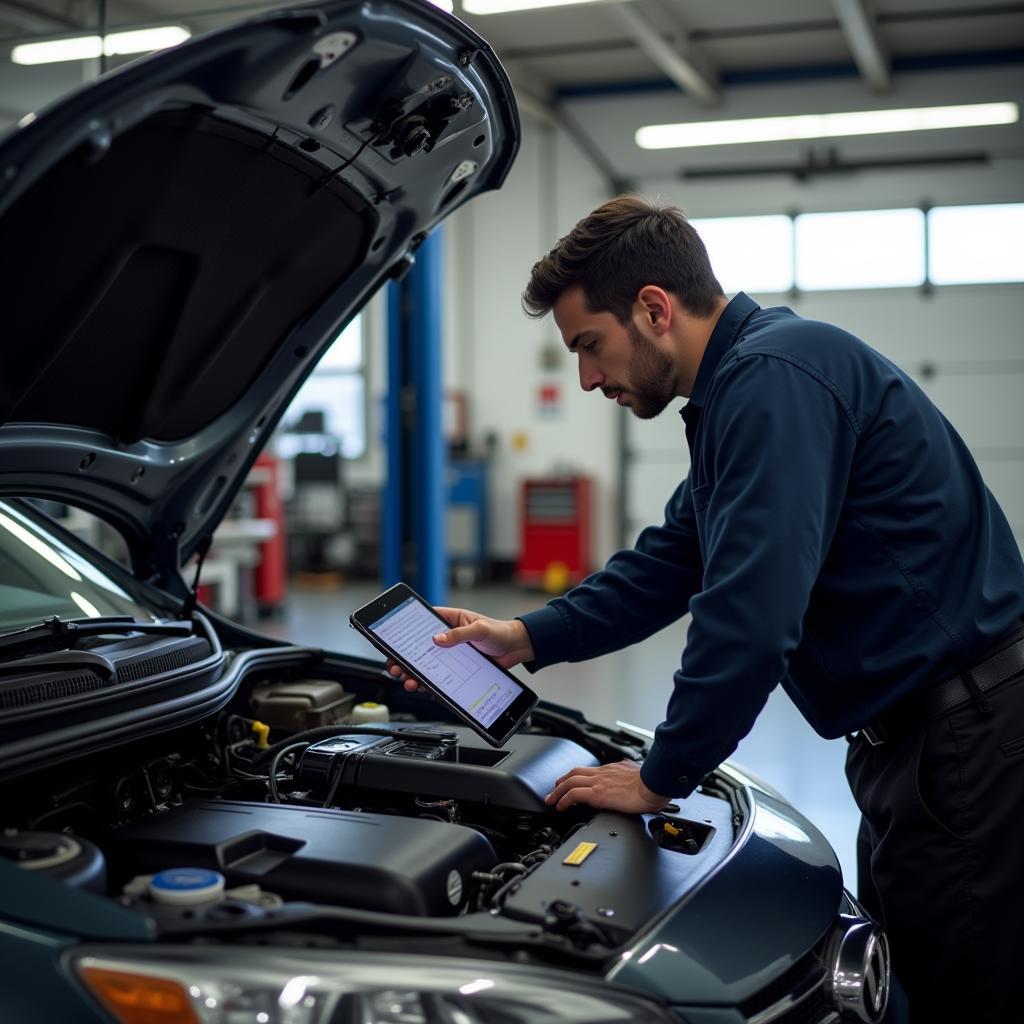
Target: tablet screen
column 478, row 686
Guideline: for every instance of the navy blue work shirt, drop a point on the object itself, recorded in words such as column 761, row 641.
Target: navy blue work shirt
column 833, row 535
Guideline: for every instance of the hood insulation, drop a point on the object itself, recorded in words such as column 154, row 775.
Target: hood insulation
column 168, row 280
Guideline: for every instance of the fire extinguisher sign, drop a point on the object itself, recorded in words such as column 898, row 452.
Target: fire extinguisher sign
column 549, row 400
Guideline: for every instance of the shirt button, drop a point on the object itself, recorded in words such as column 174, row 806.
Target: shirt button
column 684, row 779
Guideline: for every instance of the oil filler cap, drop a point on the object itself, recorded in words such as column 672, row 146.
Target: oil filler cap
column 186, row 886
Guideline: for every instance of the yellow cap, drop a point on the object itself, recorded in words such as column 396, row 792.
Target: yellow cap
column 671, row 829
column 262, row 733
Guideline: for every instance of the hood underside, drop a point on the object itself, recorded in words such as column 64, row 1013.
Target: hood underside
column 181, row 282
column 191, row 232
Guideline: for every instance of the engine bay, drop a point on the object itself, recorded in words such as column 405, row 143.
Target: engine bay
column 332, row 807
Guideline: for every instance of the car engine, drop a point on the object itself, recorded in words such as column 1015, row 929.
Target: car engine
column 393, row 817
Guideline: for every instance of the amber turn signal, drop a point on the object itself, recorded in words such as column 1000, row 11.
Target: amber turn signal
column 138, row 998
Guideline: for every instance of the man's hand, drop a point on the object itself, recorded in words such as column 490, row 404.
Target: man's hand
column 505, row 640
column 611, row 787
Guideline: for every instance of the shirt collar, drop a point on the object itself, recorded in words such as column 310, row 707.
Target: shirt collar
column 723, row 337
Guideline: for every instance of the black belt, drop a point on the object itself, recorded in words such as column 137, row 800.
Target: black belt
column 938, row 700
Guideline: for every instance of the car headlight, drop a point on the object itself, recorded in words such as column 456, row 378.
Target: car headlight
column 217, row 985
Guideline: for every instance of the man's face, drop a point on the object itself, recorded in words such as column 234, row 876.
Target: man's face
column 621, row 360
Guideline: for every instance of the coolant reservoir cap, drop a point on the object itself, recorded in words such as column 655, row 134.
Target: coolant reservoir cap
column 369, row 711
column 186, row 886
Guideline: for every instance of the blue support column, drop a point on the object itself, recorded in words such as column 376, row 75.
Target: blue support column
column 427, row 448
column 392, row 540
column 413, row 512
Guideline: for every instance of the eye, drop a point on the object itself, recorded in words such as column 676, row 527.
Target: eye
column 590, row 346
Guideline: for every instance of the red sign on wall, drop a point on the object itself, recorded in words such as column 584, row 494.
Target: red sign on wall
column 549, row 399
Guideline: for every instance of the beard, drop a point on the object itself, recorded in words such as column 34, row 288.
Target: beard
column 651, row 375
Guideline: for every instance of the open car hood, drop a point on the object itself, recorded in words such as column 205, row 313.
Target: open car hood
column 188, row 234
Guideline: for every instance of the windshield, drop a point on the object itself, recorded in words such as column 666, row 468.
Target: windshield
column 42, row 576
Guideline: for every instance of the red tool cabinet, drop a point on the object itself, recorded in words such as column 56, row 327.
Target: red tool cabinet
column 555, row 525
column 270, row 577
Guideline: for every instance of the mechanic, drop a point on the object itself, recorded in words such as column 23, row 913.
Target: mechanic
column 833, row 535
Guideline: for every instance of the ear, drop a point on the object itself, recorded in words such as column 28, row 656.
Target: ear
column 655, row 306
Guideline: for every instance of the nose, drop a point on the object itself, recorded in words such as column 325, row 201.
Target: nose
column 590, row 376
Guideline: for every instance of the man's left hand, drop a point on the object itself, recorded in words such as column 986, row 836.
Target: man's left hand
column 610, row 787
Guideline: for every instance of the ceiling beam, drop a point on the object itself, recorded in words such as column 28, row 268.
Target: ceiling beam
column 31, row 18
column 37, row 21
column 534, row 107
column 685, row 67
column 551, row 116
column 869, row 54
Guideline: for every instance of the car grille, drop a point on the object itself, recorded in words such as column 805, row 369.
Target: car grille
column 816, row 1007
column 800, row 996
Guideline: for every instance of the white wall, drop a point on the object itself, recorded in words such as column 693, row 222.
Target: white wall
column 495, row 241
column 371, row 469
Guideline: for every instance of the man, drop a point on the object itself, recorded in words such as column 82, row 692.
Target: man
column 833, row 535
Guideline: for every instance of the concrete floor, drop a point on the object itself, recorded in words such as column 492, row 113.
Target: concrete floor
column 631, row 685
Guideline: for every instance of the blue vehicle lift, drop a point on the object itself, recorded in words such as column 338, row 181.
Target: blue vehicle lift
column 413, row 510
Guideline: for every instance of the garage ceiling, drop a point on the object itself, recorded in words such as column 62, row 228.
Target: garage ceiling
column 601, row 70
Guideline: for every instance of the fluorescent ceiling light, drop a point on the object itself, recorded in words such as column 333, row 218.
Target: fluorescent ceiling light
column 823, row 126
column 53, row 50
column 504, row 6
column 144, row 40
column 85, row 47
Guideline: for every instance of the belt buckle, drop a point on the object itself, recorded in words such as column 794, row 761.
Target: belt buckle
column 874, row 734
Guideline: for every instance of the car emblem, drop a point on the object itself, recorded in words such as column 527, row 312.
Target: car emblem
column 860, row 971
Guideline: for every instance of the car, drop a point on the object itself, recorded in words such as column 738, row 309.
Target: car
column 201, row 823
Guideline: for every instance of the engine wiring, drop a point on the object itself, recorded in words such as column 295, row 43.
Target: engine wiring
column 275, row 763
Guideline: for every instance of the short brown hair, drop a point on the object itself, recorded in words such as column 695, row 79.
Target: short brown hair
column 623, row 245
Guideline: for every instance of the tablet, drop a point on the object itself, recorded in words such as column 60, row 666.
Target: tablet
column 489, row 699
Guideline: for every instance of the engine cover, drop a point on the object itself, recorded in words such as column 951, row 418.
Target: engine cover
column 515, row 777
column 350, row 858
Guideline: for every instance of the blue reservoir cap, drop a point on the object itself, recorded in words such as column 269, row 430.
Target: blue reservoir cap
column 186, row 886
column 187, row 880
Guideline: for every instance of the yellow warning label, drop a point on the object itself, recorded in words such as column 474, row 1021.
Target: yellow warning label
column 580, row 854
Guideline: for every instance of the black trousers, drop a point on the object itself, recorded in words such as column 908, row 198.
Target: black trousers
column 941, row 857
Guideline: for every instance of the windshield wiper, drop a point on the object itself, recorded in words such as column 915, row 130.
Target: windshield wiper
column 57, row 634
column 60, row 661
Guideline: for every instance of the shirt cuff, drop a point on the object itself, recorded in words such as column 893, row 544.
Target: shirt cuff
column 664, row 775
column 549, row 637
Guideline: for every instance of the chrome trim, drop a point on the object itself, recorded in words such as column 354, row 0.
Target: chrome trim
column 860, row 970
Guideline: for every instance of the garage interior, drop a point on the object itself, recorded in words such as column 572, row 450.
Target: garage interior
column 942, row 298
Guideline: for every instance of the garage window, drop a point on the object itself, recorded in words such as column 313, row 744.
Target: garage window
column 976, row 244
column 333, row 398
column 749, row 253
column 860, row 249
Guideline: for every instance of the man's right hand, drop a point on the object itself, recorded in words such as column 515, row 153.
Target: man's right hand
column 505, row 640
